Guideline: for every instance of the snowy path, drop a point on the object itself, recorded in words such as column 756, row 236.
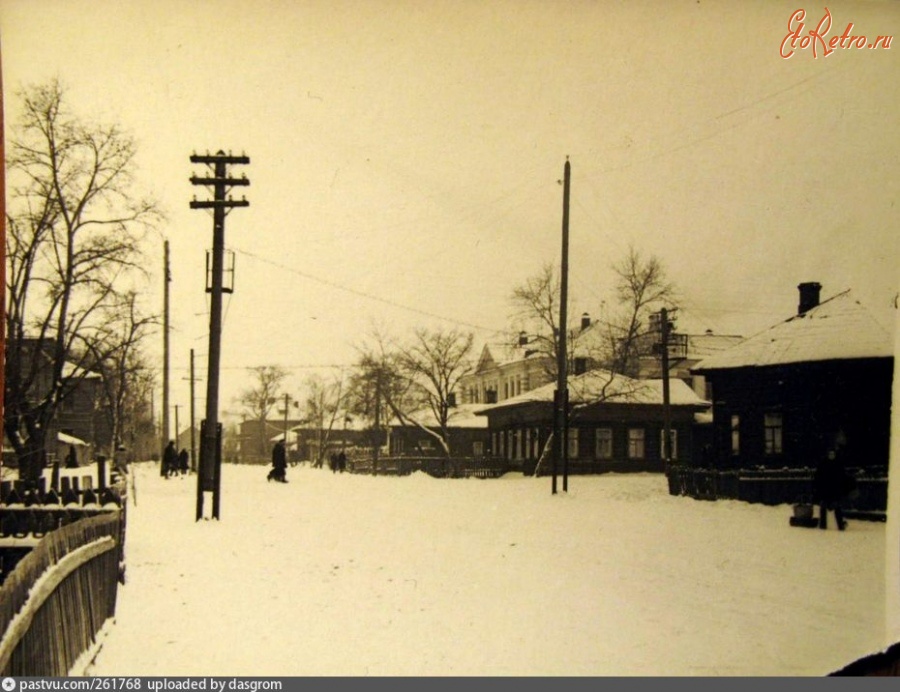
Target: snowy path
column 354, row 575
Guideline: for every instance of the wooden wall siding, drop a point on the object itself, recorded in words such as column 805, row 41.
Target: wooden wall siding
column 815, row 399
column 411, row 441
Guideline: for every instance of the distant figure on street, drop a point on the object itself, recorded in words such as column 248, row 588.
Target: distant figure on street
column 832, row 484
column 72, row 458
column 279, row 463
column 342, row 462
column 183, row 458
column 169, row 461
column 333, row 462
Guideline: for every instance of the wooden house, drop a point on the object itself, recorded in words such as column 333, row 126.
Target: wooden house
column 782, row 397
column 616, row 423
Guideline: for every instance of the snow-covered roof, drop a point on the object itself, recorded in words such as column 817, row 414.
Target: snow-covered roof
column 602, row 385
column 839, row 328
column 498, row 355
column 460, row 416
column 704, row 345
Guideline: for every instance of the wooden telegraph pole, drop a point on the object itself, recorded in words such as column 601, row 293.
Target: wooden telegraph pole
column 193, row 418
column 561, row 395
column 665, row 327
column 192, row 379
column 167, row 279
column 177, row 443
column 209, row 476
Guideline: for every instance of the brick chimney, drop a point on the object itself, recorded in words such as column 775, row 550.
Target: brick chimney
column 523, row 339
column 585, row 321
column 809, row 296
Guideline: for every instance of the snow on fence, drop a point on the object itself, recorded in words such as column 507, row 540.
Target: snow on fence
column 438, row 467
column 58, row 597
column 775, row 487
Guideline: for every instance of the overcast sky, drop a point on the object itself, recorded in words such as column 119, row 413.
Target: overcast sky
column 405, row 157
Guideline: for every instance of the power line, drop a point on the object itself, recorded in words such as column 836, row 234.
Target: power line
column 364, row 294
column 688, row 141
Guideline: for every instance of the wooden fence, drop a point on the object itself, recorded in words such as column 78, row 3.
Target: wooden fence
column 438, row 467
column 774, row 487
column 60, row 594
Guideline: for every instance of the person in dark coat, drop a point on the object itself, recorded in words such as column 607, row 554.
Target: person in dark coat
column 72, row 458
column 832, row 484
column 169, row 463
column 342, row 462
column 183, row 461
column 279, row 463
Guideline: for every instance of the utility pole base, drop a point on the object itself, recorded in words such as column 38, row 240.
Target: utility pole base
column 209, row 477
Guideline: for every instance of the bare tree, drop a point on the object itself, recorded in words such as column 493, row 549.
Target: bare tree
column 324, row 406
column 122, row 365
column 434, row 362
column 74, row 230
column 618, row 337
column 258, row 400
column 535, row 306
column 376, row 387
column 641, row 286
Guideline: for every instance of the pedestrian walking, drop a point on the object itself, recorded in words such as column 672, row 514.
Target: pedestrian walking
column 832, row 484
column 183, row 458
column 169, row 461
column 279, row 463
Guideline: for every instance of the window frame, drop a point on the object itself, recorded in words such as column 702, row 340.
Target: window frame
column 604, row 437
column 773, row 433
column 637, row 443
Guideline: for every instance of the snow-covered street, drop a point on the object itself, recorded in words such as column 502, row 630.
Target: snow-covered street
column 355, row 575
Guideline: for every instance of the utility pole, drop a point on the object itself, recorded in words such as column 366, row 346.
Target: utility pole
column 287, row 403
column 193, row 419
column 209, row 476
column 561, row 395
column 377, row 437
column 192, row 379
column 167, row 278
column 667, row 422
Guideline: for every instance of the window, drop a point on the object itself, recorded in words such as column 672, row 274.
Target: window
column 478, row 448
column 635, row 443
column 673, row 441
column 573, row 443
column 774, row 429
column 604, row 443
column 735, row 435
